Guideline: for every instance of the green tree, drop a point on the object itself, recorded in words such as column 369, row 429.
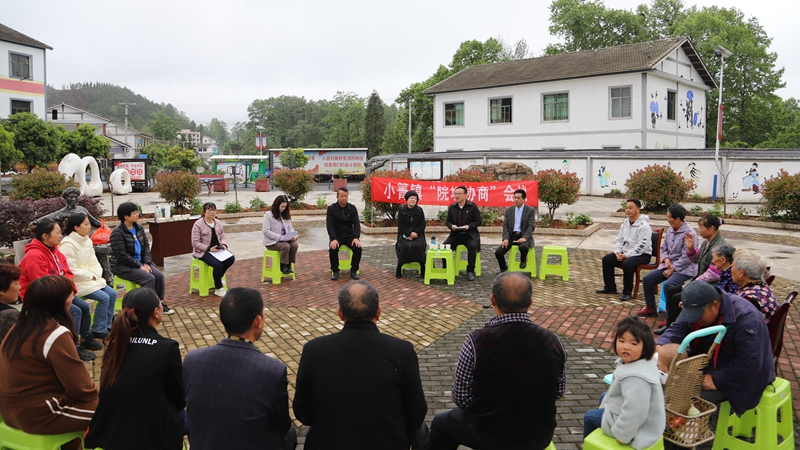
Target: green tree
column 375, row 125
column 395, row 140
column 84, row 141
column 218, row 131
column 344, row 123
column 164, row 128
column 8, row 153
column 158, row 153
column 182, row 158
column 38, row 141
column 293, row 158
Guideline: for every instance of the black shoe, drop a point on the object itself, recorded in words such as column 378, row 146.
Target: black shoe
column 354, row 274
column 625, row 297
column 335, row 275
column 167, row 310
column 660, row 330
column 398, row 273
column 285, row 269
column 91, row 344
column 503, row 268
column 606, row 291
column 85, row 355
column 96, row 335
column 471, row 276
column 523, row 264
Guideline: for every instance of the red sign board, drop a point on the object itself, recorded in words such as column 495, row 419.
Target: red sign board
column 495, row 193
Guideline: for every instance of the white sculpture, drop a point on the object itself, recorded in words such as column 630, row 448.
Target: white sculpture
column 118, row 177
column 74, row 167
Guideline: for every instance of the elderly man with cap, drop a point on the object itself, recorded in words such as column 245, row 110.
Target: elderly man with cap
column 742, row 365
column 410, row 246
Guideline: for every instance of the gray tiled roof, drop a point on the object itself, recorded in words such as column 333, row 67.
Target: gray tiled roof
column 10, row 35
column 620, row 59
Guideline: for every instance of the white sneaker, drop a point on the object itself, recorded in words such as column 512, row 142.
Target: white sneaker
column 220, row 292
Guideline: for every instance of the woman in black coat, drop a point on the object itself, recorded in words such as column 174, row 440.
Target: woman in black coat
column 410, row 244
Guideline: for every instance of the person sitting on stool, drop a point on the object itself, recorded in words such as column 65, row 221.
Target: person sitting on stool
column 463, row 219
column 517, row 230
column 344, row 228
column 633, row 248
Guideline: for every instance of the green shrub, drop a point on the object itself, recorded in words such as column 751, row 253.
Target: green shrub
column 322, row 203
column 488, row 216
column 196, row 206
column 178, row 188
column 574, row 221
column 469, row 176
column 389, row 209
column 544, row 222
column 781, row 196
column 296, row 205
column 741, row 211
column 658, row 186
column 296, row 184
column 557, row 188
column 615, row 191
column 39, row 184
column 441, row 216
column 234, row 207
column 256, row 204
column 696, row 211
column 300, row 158
column 367, row 214
column 716, row 210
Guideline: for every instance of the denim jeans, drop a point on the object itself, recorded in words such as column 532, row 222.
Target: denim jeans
column 593, row 419
column 105, row 299
column 81, row 317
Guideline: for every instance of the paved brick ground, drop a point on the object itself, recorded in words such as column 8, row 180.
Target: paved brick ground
column 435, row 319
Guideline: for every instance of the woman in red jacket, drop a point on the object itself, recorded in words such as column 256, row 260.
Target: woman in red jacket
column 42, row 258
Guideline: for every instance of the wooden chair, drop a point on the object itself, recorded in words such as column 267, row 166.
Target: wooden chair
column 658, row 233
column 768, row 276
column 776, row 326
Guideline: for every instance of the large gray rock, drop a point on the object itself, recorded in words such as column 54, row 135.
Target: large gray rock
column 504, row 171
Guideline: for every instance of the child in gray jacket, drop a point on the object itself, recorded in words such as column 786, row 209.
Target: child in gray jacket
column 632, row 411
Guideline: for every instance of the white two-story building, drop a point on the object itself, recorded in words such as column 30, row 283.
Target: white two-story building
column 23, row 79
column 648, row 95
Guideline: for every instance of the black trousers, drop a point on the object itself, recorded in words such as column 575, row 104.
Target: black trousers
column 456, row 239
column 501, row 251
column 673, row 296
column 333, row 254
column 629, row 266
column 451, row 428
column 220, row 267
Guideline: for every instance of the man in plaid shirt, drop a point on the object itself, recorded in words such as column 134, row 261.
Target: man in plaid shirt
column 508, row 378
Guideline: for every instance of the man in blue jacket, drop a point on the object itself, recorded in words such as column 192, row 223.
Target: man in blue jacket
column 742, row 365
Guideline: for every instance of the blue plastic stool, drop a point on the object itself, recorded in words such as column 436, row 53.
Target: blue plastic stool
column 462, row 264
column 513, row 264
column 204, row 281
column 11, row 438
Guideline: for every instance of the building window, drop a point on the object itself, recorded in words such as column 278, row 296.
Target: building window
column 20, row 106
column 621, row 102
column 454, row 114
column 671, row 96
column 556, row 106
column 20, row 66
column 500, row 110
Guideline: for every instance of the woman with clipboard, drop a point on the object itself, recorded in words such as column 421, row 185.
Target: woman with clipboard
column 279, row 233
column 210, row 246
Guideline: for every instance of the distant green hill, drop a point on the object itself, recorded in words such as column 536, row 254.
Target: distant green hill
column 104, row 99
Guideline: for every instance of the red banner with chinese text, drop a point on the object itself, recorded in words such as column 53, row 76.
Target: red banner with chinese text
column 489, row 193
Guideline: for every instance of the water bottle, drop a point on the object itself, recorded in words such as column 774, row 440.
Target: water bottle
column 121, row 291
column 433, row 241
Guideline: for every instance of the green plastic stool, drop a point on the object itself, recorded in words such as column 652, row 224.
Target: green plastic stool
column 462, row 264
column 274, row 272
column 513, row 264
column 763, row 419
column 129, row 286
column 546, row 268
column 551, row 446
column 599, row 441
column 447, row 273
column 204, row 281
column 411, row 266
column 346, row 264
column 11, row 438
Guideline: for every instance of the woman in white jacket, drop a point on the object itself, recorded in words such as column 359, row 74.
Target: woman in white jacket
column 276, row 226
column 78, row 248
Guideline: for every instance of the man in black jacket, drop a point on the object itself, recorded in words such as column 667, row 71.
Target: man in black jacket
column 358, row 388
column 130, row 253
column 509, row 375
column 463, row 220
column 344, row 228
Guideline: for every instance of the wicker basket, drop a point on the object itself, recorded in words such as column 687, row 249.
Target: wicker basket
column 690, row 431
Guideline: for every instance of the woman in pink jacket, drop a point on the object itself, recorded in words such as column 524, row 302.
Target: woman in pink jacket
column 209, row 238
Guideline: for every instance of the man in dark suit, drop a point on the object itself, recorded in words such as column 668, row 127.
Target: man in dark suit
column 344, row 228
column 236, row 396
column 358, row 388
column 517, row 230
column 463, row 220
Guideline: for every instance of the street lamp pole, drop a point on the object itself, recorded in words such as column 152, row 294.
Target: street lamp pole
column 409, row 123
column 722, row 53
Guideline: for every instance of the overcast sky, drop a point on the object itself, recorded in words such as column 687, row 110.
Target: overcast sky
column 213, row 58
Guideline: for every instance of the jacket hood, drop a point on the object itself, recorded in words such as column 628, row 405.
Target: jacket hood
column 36, row 244
column 646, row 369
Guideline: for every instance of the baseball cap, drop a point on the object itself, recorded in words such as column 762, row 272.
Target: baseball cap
column 695, row 296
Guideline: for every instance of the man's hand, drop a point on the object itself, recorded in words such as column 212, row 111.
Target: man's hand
column 668, row 263
column 668, row 272
column 708, row 383
column 146, row 268
column 521, row 240
column 504, row 244
column 454, row 227
column 357, row 243
column 413, row 235
column 620, row 256
column 334, row 244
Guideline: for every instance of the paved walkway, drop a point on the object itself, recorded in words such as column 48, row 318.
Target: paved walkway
column 436, row 318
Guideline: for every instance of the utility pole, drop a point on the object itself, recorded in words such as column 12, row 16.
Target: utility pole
column 409, row 123
column 126, row 122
